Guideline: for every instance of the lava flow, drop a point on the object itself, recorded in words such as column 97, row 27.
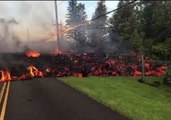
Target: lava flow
column 34, row 72
column 5, row 76
column 59, row 64
column 32, row 54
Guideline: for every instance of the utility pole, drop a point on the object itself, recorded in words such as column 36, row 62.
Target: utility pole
column 28, row 37
column 57, row 25
column 57, row 35
column 142, row 62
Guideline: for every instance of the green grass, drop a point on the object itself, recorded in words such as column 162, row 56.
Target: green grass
column 135, row 100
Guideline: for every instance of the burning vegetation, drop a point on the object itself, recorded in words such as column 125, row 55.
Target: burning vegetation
column 34, row 64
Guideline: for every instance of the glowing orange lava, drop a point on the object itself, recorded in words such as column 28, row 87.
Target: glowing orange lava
column 5, row 76
column 32, row 54
column 34, row 72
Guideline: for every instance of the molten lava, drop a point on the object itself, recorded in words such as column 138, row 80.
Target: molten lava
column 78, row 66
column 5, row 76
column 34, row 72
column 32, row 54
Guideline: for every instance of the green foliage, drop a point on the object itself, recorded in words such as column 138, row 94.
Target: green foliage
column 162, row 49
column 126, row 22
column 136, row 40
column 145, row 24
column 169, row 70
column 100, row 10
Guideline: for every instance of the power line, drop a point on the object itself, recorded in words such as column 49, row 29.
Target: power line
column 106, row 13
column 76, row 26
column 112, row 11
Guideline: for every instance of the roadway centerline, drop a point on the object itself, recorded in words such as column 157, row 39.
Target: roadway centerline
column 5, row 102
column 2, row 91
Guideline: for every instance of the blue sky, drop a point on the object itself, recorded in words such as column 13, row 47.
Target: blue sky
column 39, row 16
column 90, row 6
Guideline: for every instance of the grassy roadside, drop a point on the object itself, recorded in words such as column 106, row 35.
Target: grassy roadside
column 124, row 94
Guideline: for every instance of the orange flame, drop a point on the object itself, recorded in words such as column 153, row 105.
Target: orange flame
column 34, row 72
column 5, row 76
column 63, row 30
column 48, row 70
column 57, row 51
column 32, row 54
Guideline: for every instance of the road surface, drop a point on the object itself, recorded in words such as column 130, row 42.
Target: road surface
column 49, row 99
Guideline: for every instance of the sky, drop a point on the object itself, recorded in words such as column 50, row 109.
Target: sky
column 39, row 16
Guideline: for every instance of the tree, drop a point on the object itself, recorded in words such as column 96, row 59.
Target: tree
column 98, row 26
column 157, row 19
column 125, row 21
column 81, row 31
column 145, row 24
column 76, row 15
column 71, row 18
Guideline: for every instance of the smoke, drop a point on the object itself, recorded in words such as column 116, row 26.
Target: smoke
column 111, row 42
column 8, row 39
column 38, row 17
column 30, row 25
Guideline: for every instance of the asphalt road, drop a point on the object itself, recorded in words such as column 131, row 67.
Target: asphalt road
column 50, row 99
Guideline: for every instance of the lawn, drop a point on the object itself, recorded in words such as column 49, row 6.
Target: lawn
column 135, row 100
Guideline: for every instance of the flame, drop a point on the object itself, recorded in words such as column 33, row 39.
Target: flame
column 62, row 31
column 72, row 28
column 57, row 51
column 32, row 54
column 48, row 70
column 34, row 72
column 51, row 37
column 5, row 76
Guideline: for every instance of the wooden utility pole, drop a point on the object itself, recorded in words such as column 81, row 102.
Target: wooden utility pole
column 57, row 25
column 28, row 35
column 142, row 62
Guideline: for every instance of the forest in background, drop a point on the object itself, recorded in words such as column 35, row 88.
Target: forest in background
column 142, row 26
